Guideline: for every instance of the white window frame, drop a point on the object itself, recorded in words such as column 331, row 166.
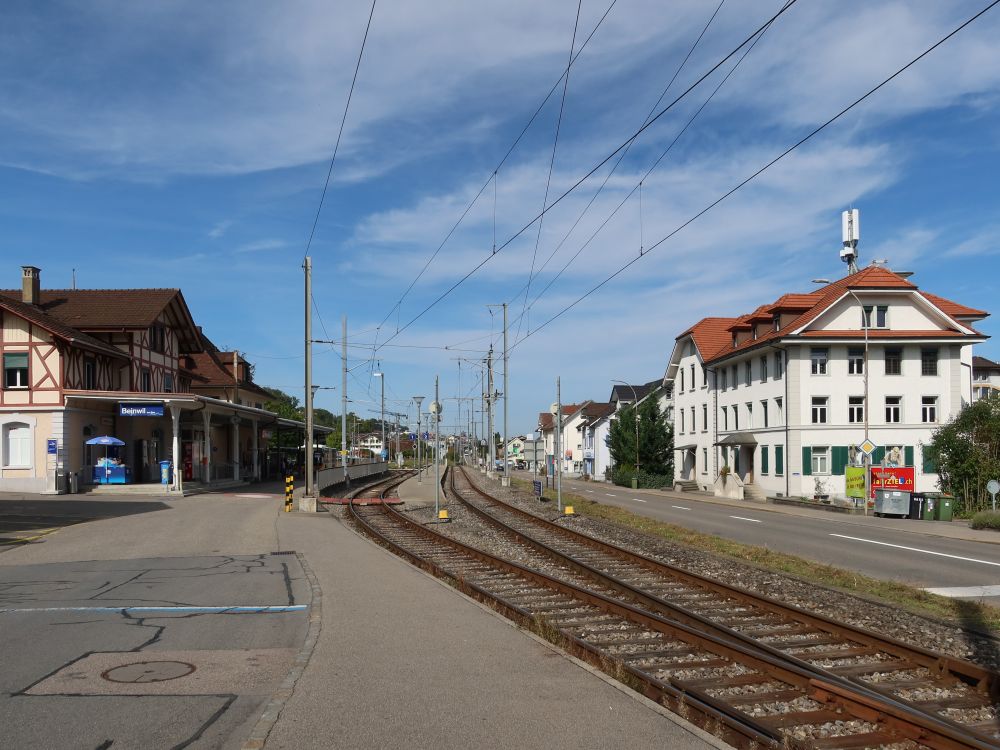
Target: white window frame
column 855, row 361
column 855, row 411
column 928, row 403
column 725, row 419
column 820, row 460
column 704, row 417
column 27, row 371
column 693, row 386
column 885, row 361
column 763, row 369
column 749, row 405
column 748, row 372
column 779, row 407
column 694, row 423
column 823, row 409
column 898, row 408
column 937, row 361
column 763, row 411
column 819, row 359
column 704, row 460
column 779, row 365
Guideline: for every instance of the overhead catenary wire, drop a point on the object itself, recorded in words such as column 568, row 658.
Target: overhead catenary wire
column 649, row 171
column 552, row 163
column 591, row 172
column 764, row 168
column 621, row 158
column 493, row 174
column 340, row 133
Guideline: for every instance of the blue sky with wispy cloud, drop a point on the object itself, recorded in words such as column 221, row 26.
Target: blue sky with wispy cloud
column 185, row 144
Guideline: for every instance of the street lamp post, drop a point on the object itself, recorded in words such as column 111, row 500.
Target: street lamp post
column 419, row 400
column 635, row 406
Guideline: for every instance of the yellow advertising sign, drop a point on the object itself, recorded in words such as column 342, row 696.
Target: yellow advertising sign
column 855, row 480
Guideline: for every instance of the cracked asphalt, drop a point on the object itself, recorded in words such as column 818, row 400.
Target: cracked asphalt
column 77, row 605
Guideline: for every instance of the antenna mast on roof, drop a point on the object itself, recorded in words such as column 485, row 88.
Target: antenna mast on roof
column 851, row 224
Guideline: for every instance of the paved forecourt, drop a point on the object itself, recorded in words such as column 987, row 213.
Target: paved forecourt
column 339, row 644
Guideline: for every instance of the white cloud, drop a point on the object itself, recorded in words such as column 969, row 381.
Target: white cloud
column 257, row 246
column 219, row 229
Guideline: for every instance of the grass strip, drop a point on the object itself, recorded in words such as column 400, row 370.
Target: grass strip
column 960, row 612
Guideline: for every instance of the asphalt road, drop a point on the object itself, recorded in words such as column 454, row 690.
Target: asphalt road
column 105, row 648
column 865, row 545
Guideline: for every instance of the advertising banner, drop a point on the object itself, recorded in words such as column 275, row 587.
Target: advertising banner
column 899, row 478
column 855, row 478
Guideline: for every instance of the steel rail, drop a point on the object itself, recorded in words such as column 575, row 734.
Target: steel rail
column 894, row 723
column 937, row 664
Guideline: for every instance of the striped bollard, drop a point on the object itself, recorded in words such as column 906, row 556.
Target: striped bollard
column 289, row 490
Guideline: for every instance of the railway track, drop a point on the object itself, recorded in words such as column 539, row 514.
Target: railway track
column 955, row 691
column 743, row 694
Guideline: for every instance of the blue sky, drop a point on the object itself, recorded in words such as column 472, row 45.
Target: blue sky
column 184, row 144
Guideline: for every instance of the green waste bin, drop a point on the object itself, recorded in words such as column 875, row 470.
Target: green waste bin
column 930, row 507
column 942, row 508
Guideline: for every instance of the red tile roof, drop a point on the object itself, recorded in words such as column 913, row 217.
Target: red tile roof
column 954, row 309
column 985, row 364
column 713, row 336
column 884, row 334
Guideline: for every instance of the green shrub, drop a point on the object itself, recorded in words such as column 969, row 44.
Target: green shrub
column 986, row 519
column 622, row 476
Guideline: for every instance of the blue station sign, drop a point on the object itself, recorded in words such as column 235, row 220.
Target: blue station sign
column 140, row 410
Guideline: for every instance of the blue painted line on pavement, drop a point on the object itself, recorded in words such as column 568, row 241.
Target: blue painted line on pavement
column 240, row 609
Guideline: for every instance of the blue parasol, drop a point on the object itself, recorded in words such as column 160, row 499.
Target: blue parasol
column 105, row 440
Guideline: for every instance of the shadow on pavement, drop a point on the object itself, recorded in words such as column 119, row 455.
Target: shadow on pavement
column 21, row 520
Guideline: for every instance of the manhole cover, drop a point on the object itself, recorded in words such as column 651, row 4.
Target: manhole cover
column 148, row 671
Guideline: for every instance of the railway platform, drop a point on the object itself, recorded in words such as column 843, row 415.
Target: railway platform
column 404, row 661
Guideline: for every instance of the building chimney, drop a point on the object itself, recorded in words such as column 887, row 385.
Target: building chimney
column 31, row 285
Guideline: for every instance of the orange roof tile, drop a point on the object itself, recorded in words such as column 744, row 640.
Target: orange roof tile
column 954, row 309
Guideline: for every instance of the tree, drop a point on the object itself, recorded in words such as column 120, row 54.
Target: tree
column 966, row 453
column 656, row 440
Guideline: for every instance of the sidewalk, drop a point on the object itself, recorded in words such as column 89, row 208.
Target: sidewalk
column 404, row 661
column 947, row 529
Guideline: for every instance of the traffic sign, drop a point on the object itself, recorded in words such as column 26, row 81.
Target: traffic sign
column 993, row 487
column 867, row 447
column 537, row 485
column 413, row 436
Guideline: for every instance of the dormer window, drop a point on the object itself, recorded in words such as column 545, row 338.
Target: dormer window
column 881, row 316
column 777, row 322
column 734, row 341
column 754, row 333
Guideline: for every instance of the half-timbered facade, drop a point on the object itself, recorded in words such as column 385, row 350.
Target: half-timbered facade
column 131, row 363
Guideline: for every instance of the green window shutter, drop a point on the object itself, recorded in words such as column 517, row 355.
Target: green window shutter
column 908, row 454
column 929, row 466
column 878, row 455
column 779, row 459
column 763, row 459
column 839, row 459
column 807, row 462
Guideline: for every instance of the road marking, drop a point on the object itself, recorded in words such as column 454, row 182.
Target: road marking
column 589, row 490
column 638, row 500
column 258, row 496
column 966, row 591
column 237, row 609
column 610, row 495
column 679, row 507
column 751, row 520
column 917, row 549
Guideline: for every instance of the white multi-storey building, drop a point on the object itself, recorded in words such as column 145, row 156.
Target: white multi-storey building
column 777, row 399
column 985, row 378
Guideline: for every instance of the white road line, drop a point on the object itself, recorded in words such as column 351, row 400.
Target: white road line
column 679, row 507
column 751, row 520
column 589, row 490
column 234, row 609
column 917, row 549
column 971, row 592
column 638, row 500
column 608, row 494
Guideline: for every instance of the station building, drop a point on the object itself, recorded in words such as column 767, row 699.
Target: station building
column 130, row 363
column 774, row 402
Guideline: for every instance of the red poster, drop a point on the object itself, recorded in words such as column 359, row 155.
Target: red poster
column 897, row 478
